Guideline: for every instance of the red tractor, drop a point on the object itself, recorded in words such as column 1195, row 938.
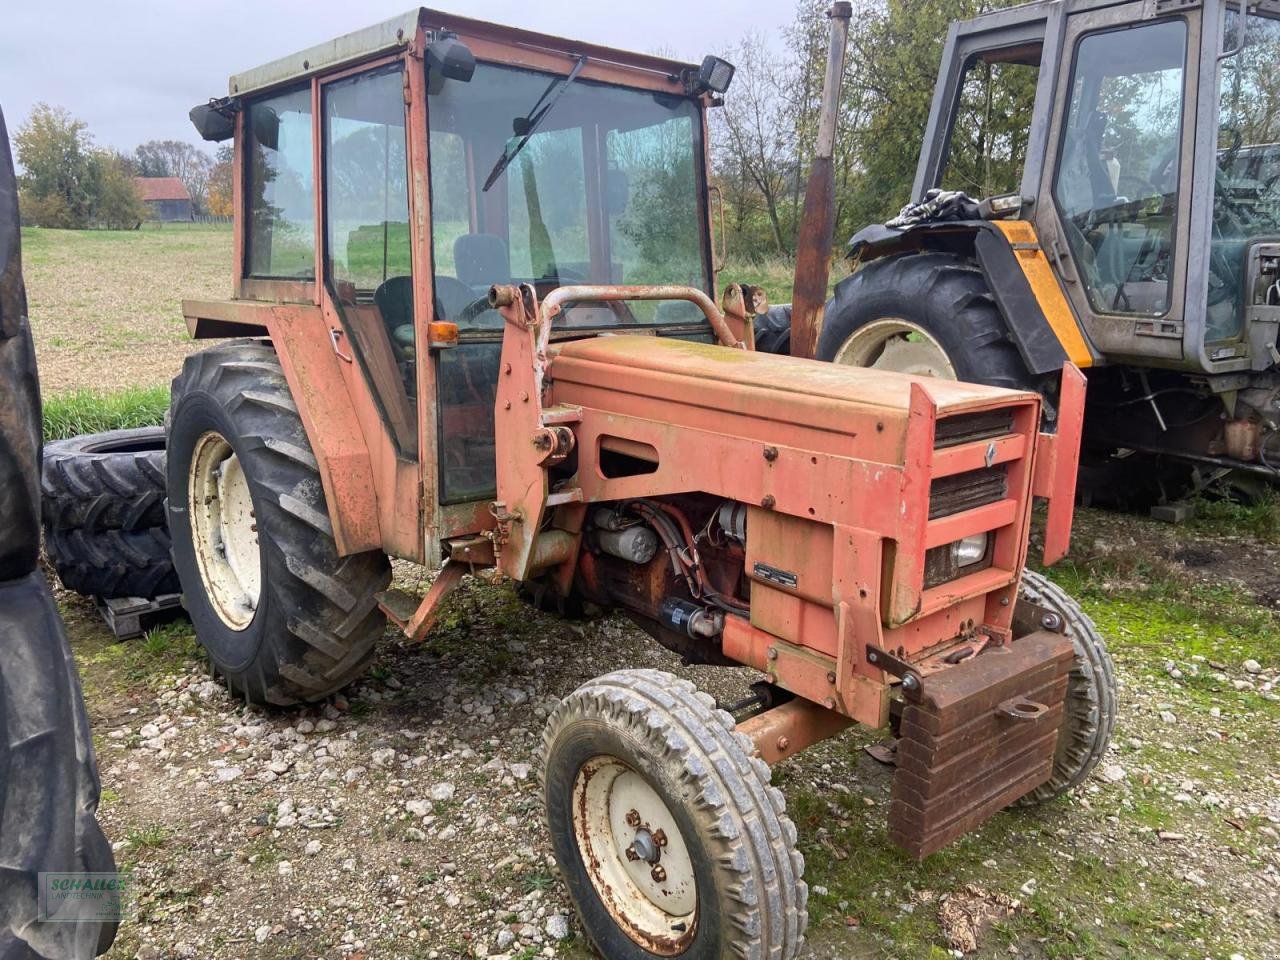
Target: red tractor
column 474, row 329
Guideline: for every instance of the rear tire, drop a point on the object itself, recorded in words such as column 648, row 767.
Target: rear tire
column 640, row 761
column 943, row 297
column 1089, row 717
column 283, row 617
column 111, row 564
column 105, row 481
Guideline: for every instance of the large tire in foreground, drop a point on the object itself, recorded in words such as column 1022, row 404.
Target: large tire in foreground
column 915, row 306
column 1090, row 711
column 110, row 564
column 640, row 763
column 105, row 481
column 283, row 617
column 49, row 787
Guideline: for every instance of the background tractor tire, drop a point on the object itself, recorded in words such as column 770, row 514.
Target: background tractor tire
column 110, row 564
column 644, row 741
column 941, row 295
column 311, row 619
column 105, row 481
column 1090, row 711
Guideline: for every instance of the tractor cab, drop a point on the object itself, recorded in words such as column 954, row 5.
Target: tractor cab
column 1143, row 143
column 394, row 176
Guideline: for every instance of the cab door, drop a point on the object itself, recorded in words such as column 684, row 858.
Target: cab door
column 1115, row 194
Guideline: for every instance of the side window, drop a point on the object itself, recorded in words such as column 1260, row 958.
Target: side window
column 280, row 186
column 1246, row 191
column 991, row 125
column 450, row 204
column 1116, row 185
column 367, row 249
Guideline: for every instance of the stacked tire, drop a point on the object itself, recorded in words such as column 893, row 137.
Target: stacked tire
column 103, row 506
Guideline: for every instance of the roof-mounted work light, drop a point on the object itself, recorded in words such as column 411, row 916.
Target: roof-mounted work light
column 714, row 75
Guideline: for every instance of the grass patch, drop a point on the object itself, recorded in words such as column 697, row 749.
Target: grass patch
column 88, row 411
column 1260, row 519
column 110, row 668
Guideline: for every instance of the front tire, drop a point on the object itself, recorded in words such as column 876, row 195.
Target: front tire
column 668, row 833
column 1089, row 715
column 284, row 618
column 929, row 314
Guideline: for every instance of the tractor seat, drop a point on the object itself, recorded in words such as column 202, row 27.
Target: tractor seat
column 394, row 300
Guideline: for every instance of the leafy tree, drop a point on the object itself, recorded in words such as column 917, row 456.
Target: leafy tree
column 220, row 185
column 56, row 154
column 117, row 204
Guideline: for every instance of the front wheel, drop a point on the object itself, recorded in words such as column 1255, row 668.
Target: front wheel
column 283, row 617
column 668, row 834
column 1089, row 714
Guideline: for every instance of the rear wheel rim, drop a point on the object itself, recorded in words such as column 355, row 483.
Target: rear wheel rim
column 224, row 531
column 897, row 345
column 635, row 856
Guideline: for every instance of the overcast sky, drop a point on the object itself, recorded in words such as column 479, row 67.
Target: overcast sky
column 132, row 69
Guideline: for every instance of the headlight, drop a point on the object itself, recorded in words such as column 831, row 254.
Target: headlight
column 971, row 550
column 952, row 560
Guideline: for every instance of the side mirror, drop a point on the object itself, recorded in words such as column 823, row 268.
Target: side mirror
column 215, row 121
column 265, row 123
column 448, row 58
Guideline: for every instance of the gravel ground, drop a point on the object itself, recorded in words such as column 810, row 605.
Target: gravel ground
column 402, row 819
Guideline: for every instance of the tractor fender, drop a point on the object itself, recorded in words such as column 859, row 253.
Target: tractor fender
column 1039, row 318
column 301, row 338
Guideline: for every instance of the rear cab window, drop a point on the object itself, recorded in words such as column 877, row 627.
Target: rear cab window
column 279, row 179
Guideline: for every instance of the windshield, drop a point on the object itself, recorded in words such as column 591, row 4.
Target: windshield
column 1246, row 199
column 604, row 190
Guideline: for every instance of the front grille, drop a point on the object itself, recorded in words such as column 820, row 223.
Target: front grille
column 970, row 427
column 964, row 491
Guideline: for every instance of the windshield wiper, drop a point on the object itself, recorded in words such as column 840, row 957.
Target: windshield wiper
column 526, row 126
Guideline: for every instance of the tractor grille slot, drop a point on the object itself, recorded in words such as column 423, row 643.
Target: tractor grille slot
column 970, row 427
column 965, row 491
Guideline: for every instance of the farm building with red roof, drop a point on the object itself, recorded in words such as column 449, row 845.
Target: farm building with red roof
column 166, row 197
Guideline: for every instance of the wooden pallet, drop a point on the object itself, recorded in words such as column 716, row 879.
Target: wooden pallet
column 129, row 617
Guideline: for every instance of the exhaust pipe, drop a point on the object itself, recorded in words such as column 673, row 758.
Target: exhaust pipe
column 817, row 228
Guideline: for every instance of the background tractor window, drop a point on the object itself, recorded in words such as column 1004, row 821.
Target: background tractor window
column 1117, row 180
column 1246, row 197
column 280, row 185
column 992, row 124
column 367, row 254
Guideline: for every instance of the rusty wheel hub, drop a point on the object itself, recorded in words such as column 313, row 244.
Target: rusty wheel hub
column 224, row 531
column 635, row 856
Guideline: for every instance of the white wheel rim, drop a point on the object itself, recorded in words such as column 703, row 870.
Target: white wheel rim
column 898, row 345
column 635, row 856
column 224, row 531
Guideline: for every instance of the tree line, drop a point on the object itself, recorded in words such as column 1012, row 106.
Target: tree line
column 763, row 137
column 68, row 182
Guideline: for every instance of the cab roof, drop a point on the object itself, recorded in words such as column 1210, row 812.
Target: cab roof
column 402, row 31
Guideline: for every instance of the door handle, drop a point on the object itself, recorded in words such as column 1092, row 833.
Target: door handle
column 1058, row 260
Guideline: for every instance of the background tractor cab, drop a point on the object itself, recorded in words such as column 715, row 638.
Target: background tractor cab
column 1131, row 152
